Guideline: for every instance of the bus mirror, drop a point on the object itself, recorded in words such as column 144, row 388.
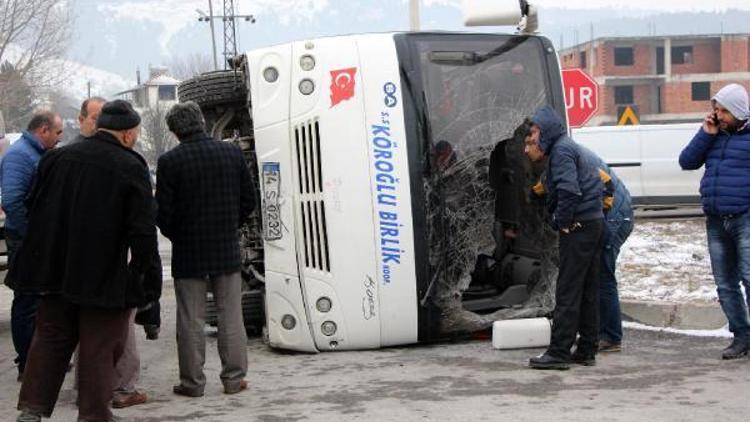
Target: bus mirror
column 519, row 13
column 491, row 12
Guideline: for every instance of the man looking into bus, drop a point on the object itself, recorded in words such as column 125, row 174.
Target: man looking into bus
column 722, row 144
column 574, row 202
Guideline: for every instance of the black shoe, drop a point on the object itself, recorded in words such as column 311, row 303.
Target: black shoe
column 737, row 349
column 545, row 361
column 609, row 347
column 585, row 359
column 29, row 416
column 181, row 390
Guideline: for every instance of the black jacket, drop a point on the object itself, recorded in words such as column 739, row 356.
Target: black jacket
column 90, row 205
column 204, row 194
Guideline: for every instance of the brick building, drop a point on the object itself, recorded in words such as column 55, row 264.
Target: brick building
column 667, row 78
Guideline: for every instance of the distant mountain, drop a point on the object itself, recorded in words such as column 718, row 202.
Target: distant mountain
column 101, row 82
column 75, row 78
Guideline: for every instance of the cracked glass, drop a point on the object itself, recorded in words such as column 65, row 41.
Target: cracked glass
column 491, row 256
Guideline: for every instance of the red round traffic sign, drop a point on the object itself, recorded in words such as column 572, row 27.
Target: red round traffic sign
column 581, row 96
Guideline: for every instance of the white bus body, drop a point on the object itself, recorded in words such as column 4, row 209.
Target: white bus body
column 379, row 207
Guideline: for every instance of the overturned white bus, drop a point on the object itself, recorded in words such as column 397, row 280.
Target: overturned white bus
column 394, row 206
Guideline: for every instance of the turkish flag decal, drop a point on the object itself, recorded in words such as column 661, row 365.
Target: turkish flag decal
column 342, row 85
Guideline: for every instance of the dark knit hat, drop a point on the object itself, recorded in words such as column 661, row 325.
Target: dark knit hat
column 118, row 115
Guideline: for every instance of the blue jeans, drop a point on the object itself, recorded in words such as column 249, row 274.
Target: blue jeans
column 22, row 311
column 610, row 316
column 729, row 247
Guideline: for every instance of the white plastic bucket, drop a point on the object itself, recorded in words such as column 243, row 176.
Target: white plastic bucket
column 521, row 333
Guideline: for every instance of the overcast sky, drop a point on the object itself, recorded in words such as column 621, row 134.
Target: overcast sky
column 122, row 35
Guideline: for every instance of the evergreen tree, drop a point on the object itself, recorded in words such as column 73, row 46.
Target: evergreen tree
column 16, row 101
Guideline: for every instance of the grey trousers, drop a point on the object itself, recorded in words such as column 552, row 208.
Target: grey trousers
column 128, row 367
column 191, row 338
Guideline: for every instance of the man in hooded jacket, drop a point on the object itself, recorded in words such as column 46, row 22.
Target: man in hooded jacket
column 722, row 144
column 574, row 201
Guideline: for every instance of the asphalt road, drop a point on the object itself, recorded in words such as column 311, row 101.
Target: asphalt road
column 658, row 377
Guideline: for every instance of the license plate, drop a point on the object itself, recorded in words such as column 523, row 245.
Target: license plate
column 271, row 210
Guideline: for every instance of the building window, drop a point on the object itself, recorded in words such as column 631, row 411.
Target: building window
column 582, row 59
column 701, row 91
column 167, row 93
column 623, row 56
column 624, row 94
column 682, row 55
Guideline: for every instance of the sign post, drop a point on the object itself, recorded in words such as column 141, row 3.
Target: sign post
column 581, row 96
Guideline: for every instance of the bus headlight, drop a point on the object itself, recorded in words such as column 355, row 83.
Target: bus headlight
column 288, row 322
column 328, row 328
column 323, row 304
column 306, row 86
column 307, row 62
column 270, row 74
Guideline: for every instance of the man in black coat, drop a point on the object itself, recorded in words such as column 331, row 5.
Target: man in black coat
column 90, row 207
column 573, row 197
column 204, row 195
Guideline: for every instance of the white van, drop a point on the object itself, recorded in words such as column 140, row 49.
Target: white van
column 646, row 157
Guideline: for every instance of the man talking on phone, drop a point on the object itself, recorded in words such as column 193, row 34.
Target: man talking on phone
column 723, row 145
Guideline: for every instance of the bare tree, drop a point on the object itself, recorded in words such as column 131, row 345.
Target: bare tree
column 34, row 35
column 155, row 139
column 185, row 67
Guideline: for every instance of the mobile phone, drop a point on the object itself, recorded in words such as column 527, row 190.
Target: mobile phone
column 715, row 119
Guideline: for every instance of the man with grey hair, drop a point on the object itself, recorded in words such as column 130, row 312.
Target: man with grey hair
column 204, row 195
column 93, row 269
column 128, row 367
column 722, row 144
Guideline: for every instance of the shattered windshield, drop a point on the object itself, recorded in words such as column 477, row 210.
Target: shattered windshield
column 490, row 255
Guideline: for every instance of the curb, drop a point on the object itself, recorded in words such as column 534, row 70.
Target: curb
column 684, row 316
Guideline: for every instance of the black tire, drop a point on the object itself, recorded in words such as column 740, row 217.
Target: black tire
column 220, row 88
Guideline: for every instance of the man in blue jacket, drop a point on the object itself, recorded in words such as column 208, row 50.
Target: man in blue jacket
column 574, row 200
column 722, row 144
column 17, row 170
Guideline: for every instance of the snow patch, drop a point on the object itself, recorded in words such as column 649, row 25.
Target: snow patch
column 666, row 260
column 721, row 332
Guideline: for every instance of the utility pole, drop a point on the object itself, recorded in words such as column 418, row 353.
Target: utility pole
column 230, row 32
column 213, row 33
column 414, row 15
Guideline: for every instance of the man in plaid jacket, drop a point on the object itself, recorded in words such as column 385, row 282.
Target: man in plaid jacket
column 204, row 194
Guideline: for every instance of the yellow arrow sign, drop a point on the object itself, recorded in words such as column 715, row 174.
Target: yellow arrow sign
column 628, row 116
